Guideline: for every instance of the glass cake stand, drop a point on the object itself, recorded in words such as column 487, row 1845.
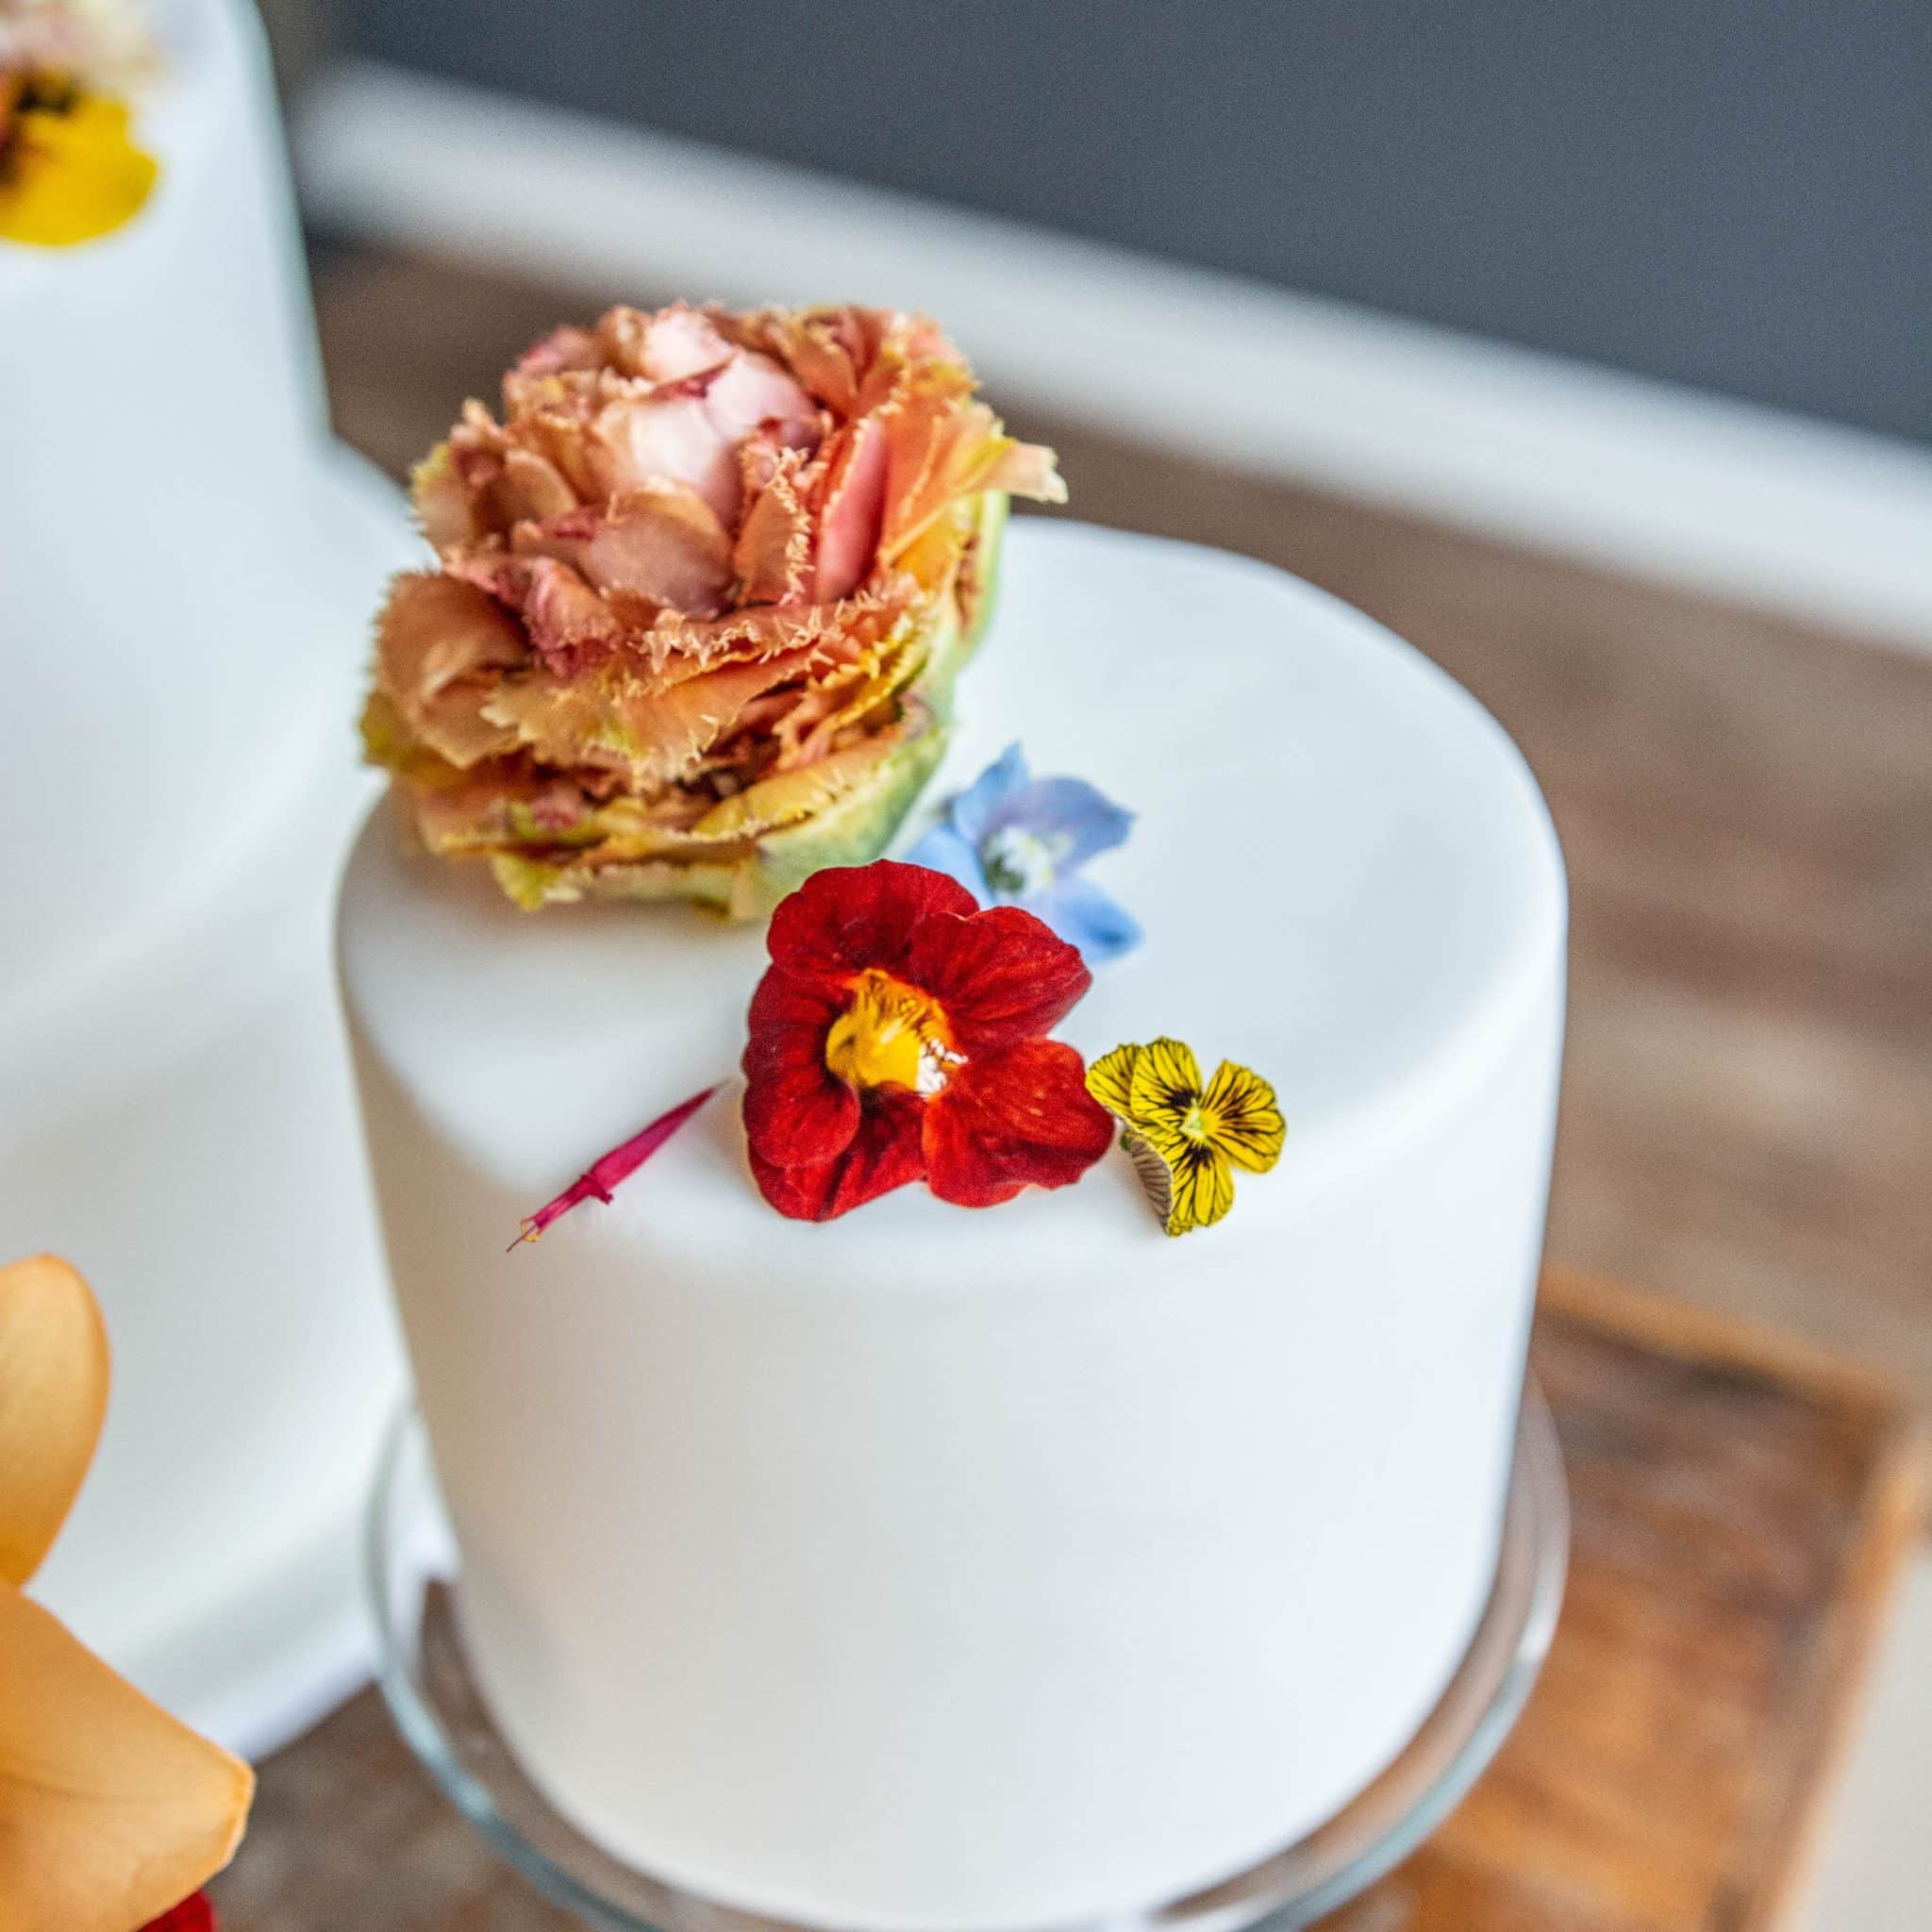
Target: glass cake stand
column 415, row 1576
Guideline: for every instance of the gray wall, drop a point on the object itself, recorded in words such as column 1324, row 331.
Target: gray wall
column 1732, row 195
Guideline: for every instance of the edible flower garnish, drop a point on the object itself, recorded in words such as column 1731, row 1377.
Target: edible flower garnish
column 898, row 1036
column 1187, row 1140
column 111, row 1811
column 70, row 171
column 604, row 1175
column 1014, row 840
column 701, row 594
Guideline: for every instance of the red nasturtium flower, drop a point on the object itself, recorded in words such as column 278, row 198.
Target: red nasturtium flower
column 898, row 1036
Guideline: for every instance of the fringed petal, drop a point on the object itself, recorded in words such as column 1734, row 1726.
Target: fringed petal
column 854, row 512
column 788, row 798
column 1025, row 469
column 638, row 439
column 773, row 557
column 441, row 644
column 530, row 488
column 570, row 627
column 440, row 500
column 654, row 735
column 659, row 542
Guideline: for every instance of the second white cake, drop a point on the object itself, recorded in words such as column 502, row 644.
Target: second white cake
column 933, row 1568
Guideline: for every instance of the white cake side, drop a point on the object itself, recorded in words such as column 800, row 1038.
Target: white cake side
column 185, row 1132
column 187, row 570
column 936, row 1569
column 160, row 496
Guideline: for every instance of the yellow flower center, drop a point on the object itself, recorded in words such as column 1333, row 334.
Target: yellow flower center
column 69, row 171
column 1197, row 1126
column 891, row 1035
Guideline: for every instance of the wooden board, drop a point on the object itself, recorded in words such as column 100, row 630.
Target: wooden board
column 1745, row 805
column 1741, row 1509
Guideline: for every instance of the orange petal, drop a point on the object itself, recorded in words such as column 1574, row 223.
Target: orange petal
column 435, row 629
column 667, row 436
column 530, row 488
column 1027, row 469
column 855, row 508
column 53, row 1397
column 664, row 542
column 822, row 359
column 656, row 736
column 673, row 344
column 110, row 1810
column 441, row 644
column 441, row 499
column 775, row 546
column 568, row 620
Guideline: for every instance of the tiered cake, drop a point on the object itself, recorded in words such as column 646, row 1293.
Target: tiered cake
column 184, row 566
column 935, row 1567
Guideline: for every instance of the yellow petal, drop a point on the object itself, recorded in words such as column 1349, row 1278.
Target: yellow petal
column 53, row 1397
column 1111, row 1080
column 1203, row 1187
column 1242, row 1118
column 110, row 1810
column 71, row 174
column 1166, row 1084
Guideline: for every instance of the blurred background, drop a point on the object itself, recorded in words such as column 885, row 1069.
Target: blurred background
column 1587, row 346
column 1728, row 194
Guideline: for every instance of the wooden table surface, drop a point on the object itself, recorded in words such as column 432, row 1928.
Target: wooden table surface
column 1741, row 1509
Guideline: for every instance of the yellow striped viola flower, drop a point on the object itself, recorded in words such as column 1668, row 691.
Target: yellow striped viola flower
column 1186, row 1137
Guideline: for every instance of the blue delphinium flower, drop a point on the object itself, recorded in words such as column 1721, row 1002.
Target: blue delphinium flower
column 1014, row 840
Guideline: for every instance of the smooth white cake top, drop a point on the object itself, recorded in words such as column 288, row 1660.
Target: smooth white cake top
column 1346, row 875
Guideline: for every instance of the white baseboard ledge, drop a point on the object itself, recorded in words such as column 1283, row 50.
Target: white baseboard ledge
column 1826, row 524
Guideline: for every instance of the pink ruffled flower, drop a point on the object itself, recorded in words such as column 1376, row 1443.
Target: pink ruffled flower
column 710, row 575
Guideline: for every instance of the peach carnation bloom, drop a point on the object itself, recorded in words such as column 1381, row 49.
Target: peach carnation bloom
column 701, row 596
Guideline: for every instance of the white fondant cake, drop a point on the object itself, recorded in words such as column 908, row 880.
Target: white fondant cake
column 186, row 571
column 935, row 1568
column 162, row 417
